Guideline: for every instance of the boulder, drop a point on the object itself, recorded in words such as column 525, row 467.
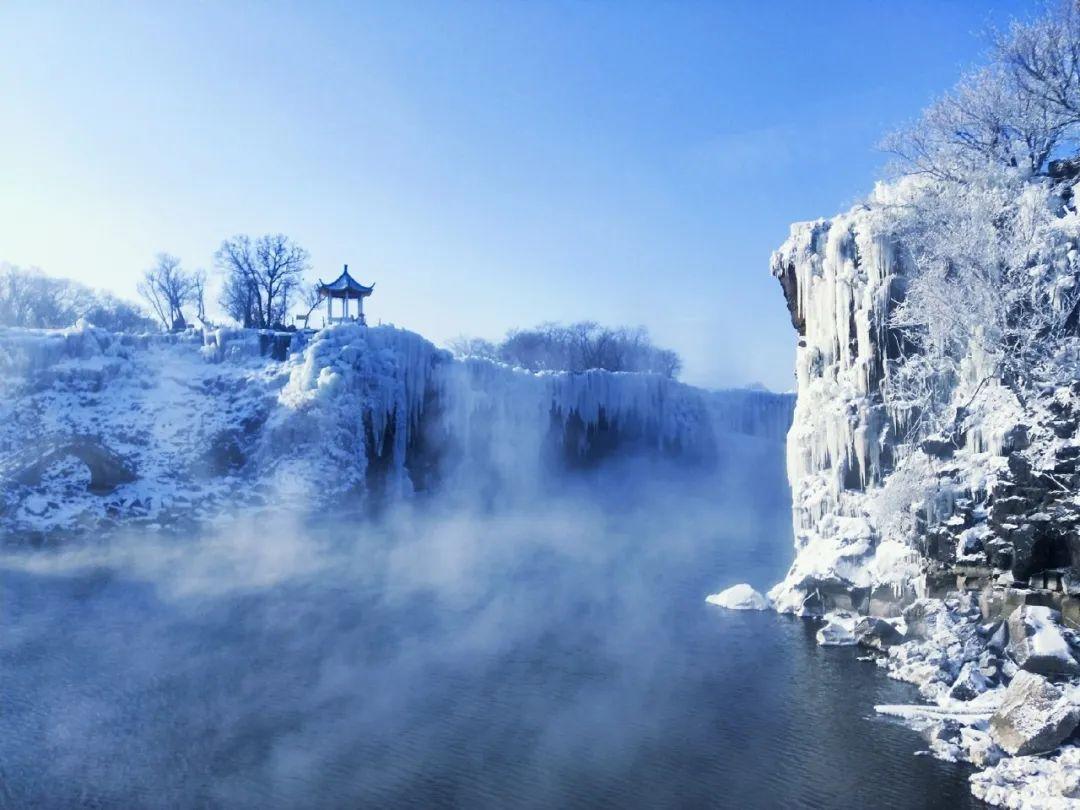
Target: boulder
column 990, row 667
column 739, row 597
column 1015, row 438
column 924, row 617
column 108, row 470
column 838, row 631
column 938, row 448
column 1036, row 643
column 970, row 683
column 999, row 603
column 979, row 747
column 1034, row 717
column 877, row 634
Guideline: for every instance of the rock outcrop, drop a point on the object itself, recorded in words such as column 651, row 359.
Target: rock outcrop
column 1035, row 716
column 942, row 497
column 1036, row 642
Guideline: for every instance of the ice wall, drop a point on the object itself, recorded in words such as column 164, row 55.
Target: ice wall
column 878, row 508
column 841, row 277
column 179, row 427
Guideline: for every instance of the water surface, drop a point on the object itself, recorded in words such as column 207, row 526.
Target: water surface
column 557, row 653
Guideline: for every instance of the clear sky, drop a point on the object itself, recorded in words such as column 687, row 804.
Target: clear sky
column 488, row 165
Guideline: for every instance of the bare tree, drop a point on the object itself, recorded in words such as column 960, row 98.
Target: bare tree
column 991, row 283
column 261, row 277
column 988, row 120
column 198, row 293
column 311, row 298
column 167, row 288
column 465, row 346
column 16, row 297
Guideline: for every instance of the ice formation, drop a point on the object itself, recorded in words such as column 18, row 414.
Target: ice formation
column 739, row 597
column 946, row 536
column 98, row 428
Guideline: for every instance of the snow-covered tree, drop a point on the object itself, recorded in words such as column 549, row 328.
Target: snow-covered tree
column 29, row 298
column 988, row 232
column 575, row 347
column 1044, row 59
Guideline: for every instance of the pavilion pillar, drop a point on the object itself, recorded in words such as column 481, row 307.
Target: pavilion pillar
column 346, row 300
column 329, row 309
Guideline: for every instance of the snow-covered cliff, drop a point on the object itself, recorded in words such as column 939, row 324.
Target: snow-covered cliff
column 99, row 429
column 934, row 473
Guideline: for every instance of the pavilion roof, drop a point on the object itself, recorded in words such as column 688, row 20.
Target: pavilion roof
column 345, row 286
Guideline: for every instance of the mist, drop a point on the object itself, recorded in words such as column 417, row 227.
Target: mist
column 446, row 650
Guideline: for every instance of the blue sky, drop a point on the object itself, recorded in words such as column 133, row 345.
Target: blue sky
column 488, row 165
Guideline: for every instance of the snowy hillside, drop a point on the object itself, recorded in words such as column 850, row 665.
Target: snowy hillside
column 99, row 429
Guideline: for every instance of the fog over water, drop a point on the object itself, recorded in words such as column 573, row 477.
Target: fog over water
column 551, row 651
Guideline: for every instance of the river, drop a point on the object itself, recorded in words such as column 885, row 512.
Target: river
column 553, row 653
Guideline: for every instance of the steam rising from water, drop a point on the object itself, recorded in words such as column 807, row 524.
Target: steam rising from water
column 553, row 652
column 275, row 661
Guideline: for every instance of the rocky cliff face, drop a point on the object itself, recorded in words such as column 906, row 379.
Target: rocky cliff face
column 961, row 545
column 99, row 430
column 990, row 506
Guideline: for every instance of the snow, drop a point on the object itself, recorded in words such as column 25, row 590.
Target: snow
column 739, row 597
column 839, row 630
column 1047, row 639
column 866, row 496
column 213, row 422
column 1032, row 782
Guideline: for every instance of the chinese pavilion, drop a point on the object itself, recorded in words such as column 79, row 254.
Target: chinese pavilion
column 345, row 288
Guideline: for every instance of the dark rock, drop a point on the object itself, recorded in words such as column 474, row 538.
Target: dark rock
column 1066, row 453
column 1020, row 468
column 938, row 448
column 1064, row 169
column 1015, row 438
column 877, row 634
column 789, row 283
column 1065, row 466
column 947, row 731
column 969, row 684
column 972, row 545
column 1064, row 428
column 999, row 553
column 1004, row 508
